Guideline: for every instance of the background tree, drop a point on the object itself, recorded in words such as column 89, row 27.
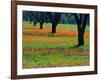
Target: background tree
column 54, row 18
column 42, row 18
column 67, row 18
column 35, row 17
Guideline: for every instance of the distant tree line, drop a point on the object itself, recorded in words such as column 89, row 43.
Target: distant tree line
column 63, row 18
column 33, row 16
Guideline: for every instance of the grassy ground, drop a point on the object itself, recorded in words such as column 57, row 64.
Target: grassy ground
column 44, row 49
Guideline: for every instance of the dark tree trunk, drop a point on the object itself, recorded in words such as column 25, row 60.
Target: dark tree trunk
column 80, row 38
column 80, row 35
column 54, row 27
column 54, row 18
column 34, row 24
column 41, row 25
column 81, row 25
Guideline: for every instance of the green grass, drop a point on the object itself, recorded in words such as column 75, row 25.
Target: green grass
column 52, row 45
column 68, row 42
column 52, row 60
column 37, row 53
column 72, row 27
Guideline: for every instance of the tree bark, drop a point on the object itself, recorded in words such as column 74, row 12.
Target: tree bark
column 80, row 38
column 35, row 24
column 54, row 27
column 41, row 25
column 54, row 18
column 81, row 25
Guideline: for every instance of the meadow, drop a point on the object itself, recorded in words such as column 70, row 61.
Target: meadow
column 41, row 48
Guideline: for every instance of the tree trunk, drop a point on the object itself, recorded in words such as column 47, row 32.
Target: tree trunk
column 81, row 31
column 34, row 24
column 54, row 18
column 81, row 25
column 54, row 27
column 80, row 38
column 41, row 25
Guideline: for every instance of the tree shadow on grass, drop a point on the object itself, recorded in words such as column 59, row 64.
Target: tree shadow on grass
column 76, row 46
